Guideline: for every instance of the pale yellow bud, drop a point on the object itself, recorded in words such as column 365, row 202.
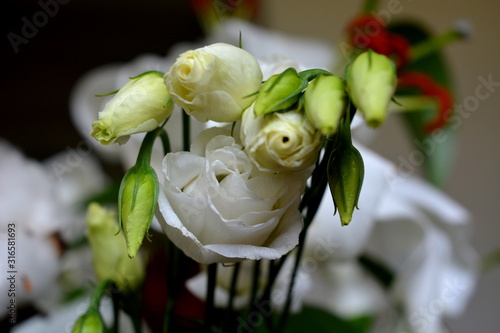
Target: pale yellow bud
column 325, row 102
column 371, row 82
column 141, row 105
column 109, row 250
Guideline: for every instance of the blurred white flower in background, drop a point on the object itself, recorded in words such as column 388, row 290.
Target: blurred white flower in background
column 424, row 237
column 412, row 229
column 198, row 285
column 61, row 319
column 40, row 201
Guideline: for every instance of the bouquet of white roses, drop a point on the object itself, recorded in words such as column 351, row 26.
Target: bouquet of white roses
column 236, row 204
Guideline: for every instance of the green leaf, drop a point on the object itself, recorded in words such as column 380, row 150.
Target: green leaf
column 316, row 320
column 439, row 154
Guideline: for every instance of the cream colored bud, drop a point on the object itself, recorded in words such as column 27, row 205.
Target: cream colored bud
column 215, row 82
column 281, row 141
column 141, row 105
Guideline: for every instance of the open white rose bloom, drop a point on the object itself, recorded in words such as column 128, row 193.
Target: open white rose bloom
column 265, row 220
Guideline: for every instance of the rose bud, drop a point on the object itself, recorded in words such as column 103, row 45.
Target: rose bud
column 345, row 175
column 141, row 105
column 109, row 250
column 89, row 322
column 282, row 141
column 137, row 204
column 371, row 82
column 215, row 82
column 325, row 102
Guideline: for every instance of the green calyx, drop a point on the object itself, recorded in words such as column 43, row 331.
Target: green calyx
column 280, row 92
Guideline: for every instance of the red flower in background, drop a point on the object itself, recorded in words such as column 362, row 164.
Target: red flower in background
column 187, row 309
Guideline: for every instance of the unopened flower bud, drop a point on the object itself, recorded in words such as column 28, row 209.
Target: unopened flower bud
column 371, row 82
column 324, row 103
column 345, row 175
column 141, row 105
column 89, row 322
column 137, row 204
column 109, row 250
column 279, row 92
column 214, row 82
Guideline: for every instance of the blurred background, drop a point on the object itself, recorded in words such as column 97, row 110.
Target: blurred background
column 40, row 69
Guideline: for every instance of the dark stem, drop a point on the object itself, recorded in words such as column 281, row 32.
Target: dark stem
column 209, row 305
column 116, row 310
column 165, row 142
column 232, row 293
column 311, row 201
column 255, row 283
column 186, row 131
column 173, row 281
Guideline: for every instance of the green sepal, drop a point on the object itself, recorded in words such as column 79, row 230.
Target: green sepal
column 146, row 73
column 133, row 78
column 108, row 94
column 279, row 92
column 311, row 74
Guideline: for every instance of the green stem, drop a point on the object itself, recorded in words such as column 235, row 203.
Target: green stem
column 144, row 156
column 434, row 44
column 369, row 6
column 173, row 284
column 136, row 321
column 407, row 103
column 255, row 283
column 209, row 303
column 116, row 311
column 311, row 200
column 273, row 271
column 232, row 293
column 98, row 293
column 165, row 142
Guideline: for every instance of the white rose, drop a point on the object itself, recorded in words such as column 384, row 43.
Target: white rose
column 218, row 208
column 214, row 82
column 282, row 141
